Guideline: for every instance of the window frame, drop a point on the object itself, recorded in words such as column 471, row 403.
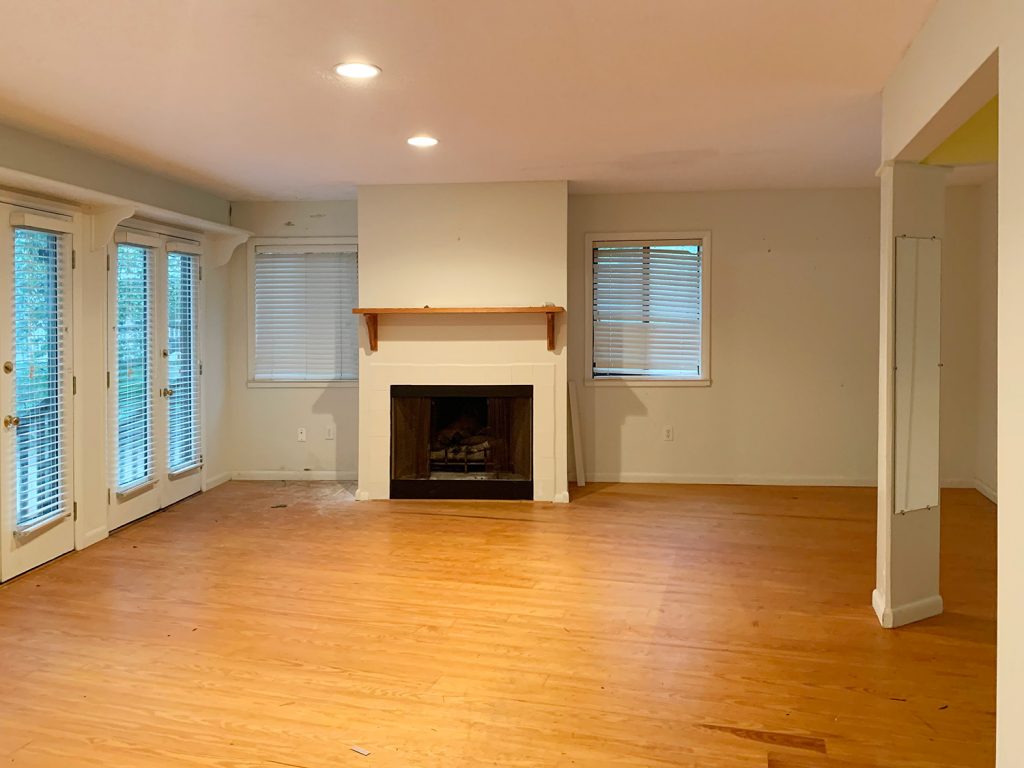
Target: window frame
column 298, row 243
column 704, row 380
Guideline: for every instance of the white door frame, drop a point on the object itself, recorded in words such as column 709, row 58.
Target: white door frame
column 23, row 548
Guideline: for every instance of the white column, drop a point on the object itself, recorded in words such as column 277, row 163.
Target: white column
column 907, row 573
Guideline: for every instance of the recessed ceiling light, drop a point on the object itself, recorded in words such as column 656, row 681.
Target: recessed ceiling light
column 357, row 70
column 422, row 141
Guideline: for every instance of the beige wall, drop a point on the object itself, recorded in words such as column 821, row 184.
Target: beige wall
column 217, row 454
column 772, row 361
column 967, row 437
column 794, row 323
column 1010, row 662
column 985, row 464
column 265, row 418
column 37, row 156
column 794, row 342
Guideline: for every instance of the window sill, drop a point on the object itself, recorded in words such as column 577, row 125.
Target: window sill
column 639, row 381
column 330, row 384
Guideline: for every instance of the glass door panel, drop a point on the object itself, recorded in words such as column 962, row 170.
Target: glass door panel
column 184, row 447
column 131, row 365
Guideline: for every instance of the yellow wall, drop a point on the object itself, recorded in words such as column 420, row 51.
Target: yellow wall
column 973, row 143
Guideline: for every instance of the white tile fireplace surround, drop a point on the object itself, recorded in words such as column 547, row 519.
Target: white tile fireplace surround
column 549, row 480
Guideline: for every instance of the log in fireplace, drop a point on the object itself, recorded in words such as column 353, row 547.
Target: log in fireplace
column 461, row 442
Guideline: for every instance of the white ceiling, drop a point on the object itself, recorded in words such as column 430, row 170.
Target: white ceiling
column 615, row 95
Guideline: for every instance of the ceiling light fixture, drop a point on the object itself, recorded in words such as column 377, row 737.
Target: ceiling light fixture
column 422, row 141
column 357, row 70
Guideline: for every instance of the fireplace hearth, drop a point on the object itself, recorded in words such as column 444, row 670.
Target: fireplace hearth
column 461, row 442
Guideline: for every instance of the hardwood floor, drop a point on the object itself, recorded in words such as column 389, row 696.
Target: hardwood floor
column 639, row 626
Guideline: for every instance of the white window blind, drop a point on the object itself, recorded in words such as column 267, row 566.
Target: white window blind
column 304, row 326
column 648, row 300
column 40, row 450
column 183, row 434
column 134, row 429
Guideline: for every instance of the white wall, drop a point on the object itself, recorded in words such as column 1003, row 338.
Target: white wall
column 265, row 417
column 463, row 245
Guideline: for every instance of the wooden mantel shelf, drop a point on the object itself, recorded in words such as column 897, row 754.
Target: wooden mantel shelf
column 370, row 314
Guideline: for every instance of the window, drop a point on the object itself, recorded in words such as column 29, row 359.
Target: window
column 134, row 363
column 40, row 351
column 304, row 329
column 650, row 307
column 184, row 439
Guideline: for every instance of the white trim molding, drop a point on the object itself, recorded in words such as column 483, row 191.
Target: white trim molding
column 741, row 479
column 891, row 617
column 294, row 474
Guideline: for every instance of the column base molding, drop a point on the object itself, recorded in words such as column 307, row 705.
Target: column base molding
column 908, row 613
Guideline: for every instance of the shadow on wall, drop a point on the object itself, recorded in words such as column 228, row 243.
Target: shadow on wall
column 344, row 415
column 600, row 432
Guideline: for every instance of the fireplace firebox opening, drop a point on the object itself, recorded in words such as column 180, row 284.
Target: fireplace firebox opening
column 462, row 442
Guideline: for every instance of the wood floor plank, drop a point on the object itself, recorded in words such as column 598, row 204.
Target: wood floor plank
column 639, row 626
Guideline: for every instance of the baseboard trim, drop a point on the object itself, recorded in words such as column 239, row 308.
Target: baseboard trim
column 94, row 536
column 681, row 479
column 878, row 603
column 987, row 491
column 908, row 613
column 293, row 474
column 212, row 482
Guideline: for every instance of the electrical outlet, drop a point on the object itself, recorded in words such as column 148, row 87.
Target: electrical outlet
column 668, row 434
column 330, row 431
column 301, row 437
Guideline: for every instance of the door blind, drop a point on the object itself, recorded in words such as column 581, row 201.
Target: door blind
column 134, row 452
column 40, row 450
column 305, row 329
column 648, row 309
column 183, row 436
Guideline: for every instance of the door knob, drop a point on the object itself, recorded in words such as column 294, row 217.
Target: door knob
column 11, row 421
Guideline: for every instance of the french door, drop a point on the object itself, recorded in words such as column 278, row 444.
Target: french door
column 36, row 390
column 154, row 375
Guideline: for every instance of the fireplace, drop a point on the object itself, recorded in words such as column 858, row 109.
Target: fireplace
column 462, row 442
